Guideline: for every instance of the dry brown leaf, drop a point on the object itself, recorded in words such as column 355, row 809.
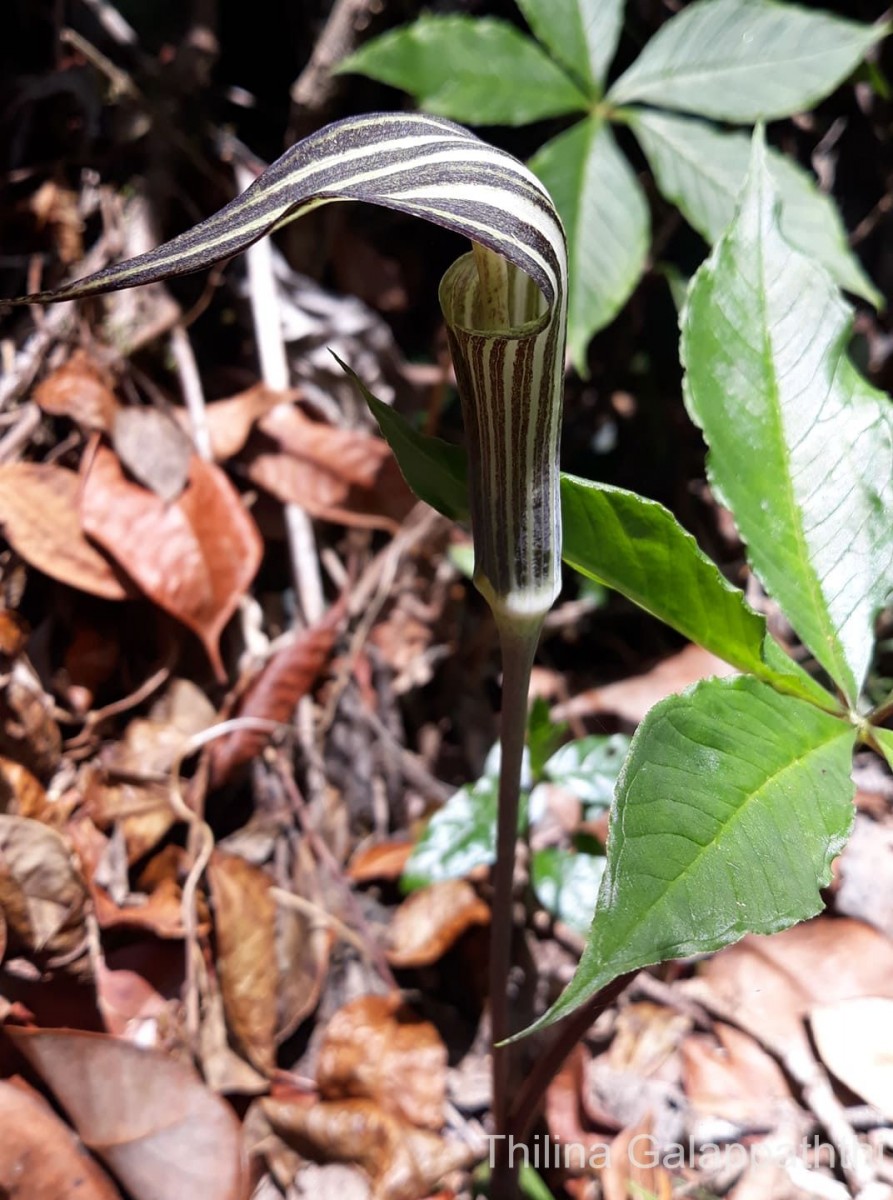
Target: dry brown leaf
column 565, row 1113
column 154, row 449
column 230, row 421
column 341, row 475
column 647, row 1034
column 195, row 558
column 130, row 1006
column 377, row 1048
column 142, row 810
column 81, row 390
column 432, row 920
column 245, row 928
column 303, row 948
column 736, row 1080
column 41, row 893
column 403, row 1162
column 58, row 207
column 39, row 515
column 384, row 861
column 272, row 696
column 14, row 633
column 152, row 1121
column 40, row 1157
column 631, row 1169
column 769, row 984
column 854, row 1040
column 23, row 795
column 865, row 874
column 633, row 697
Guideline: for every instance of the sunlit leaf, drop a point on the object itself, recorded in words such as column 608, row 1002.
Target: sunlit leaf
column 742, row 60
column 733, row 802
column 800, row 445
column 702, row 170
column 566, row 883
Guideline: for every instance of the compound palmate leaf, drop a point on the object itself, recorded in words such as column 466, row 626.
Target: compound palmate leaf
column 800, row 445
column 702, row 170
column 580, row 34
column 729, row 810
column 605, row 214
column 482, row 71
column 743, row 60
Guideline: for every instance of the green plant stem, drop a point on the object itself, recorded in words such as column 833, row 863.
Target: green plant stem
column 519, row 641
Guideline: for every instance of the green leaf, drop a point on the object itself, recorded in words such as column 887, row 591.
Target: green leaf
column 588, row 767
column 580, row 34
column 459, row 837
column 732, row 804
column 884, row 739
column 436, row 471
column 481, row 71
column 639, row 549
column 743, row 60
column 606, row 218
column 628, row 543
column 800, row 445
column 566, row 884
column 703, row 171
column 544, row 736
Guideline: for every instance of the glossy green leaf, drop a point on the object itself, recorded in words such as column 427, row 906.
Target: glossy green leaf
column 605, row 215
column 459, row 837
column 800, row 445
column 580, row 34
column 566, row 884
column 480, row 71
column 638, row 548
column 732, row 804
column 702, row 171
column 588, row 767
column 743, row 60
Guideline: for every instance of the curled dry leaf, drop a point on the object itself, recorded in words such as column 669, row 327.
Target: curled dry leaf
column 341, row 475
column 81, row 390
column 39, row 515
column 377, row 1048
column 40, row 1157
column 304, row 943
column 151, row 1120
column 272, row 696
column 41, row 893
column 432, row 920
column 853, row 1037
column 402, row 1162
column 245, row 928
column 194, row 558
